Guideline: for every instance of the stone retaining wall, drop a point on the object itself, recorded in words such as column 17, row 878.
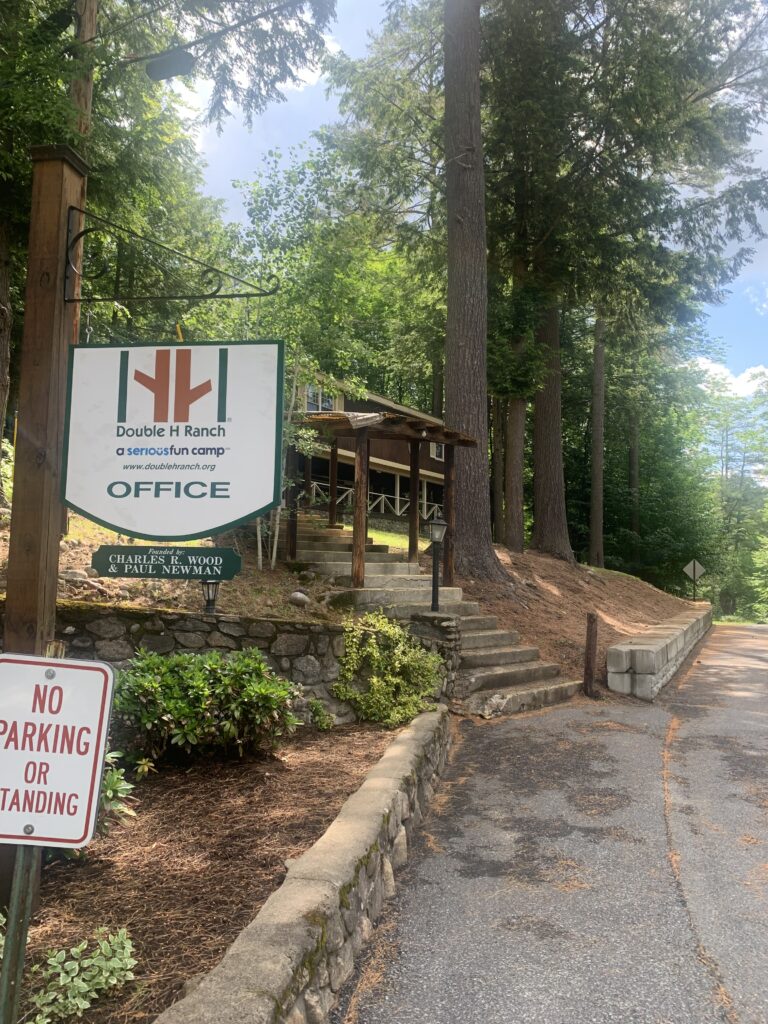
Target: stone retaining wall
column 645, row 663
column 288, row 965
column 307, row 653
column 441, row 634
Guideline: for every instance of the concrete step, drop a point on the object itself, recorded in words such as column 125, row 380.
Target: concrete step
column 340, row 548
column 329, row 540
column 491, row 656
column 488, row 638
column 376, row 573
column 379, row 597
column 506, row 675
column 476, row 623
column 345, row 557
column 403, row 612
column 512, row 699
column 410, row 581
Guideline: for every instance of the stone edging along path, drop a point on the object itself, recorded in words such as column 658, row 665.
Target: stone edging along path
column 289, row 963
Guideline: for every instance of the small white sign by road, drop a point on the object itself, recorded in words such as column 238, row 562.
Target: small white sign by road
column 695, row 570
column 54, row 720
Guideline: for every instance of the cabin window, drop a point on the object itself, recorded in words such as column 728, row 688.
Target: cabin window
column 437, row 451
column 318, row 400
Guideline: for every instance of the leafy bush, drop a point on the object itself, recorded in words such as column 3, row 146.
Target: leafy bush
column 115, row 798
column 201, row 702
column 386, row 675
column 319, row 715
column 6, row 467
column 70, row 981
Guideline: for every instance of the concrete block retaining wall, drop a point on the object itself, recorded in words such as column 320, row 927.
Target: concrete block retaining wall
column 645, row 663
column 288, row 965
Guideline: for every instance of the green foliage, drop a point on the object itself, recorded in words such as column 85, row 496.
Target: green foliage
column 6, row 469
column 201, row 703
column 115, row 800
column 70, row 981
column 319, row 715
column 386, row 675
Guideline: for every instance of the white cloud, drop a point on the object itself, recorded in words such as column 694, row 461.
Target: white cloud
column 758, row 296
column 742, row 384
column 312, row 75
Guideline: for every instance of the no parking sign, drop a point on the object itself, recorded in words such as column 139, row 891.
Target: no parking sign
column 54, row 721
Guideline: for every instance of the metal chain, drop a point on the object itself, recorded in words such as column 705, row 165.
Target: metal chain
column 88, row 327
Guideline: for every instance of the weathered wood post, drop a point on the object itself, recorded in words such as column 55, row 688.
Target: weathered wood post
column 413, row 508
column 590, row 656
column 333, row 489
column 360, row 520
column 58, row 183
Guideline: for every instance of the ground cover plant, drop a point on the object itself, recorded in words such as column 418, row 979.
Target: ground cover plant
column 208, row 845
column 386, row 675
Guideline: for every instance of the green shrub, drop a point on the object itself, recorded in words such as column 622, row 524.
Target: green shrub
column 201, row 702
column 319, row 715
column 70, row 981
column 386, row 675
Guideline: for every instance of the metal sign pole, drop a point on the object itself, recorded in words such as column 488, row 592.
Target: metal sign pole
column 23, row 894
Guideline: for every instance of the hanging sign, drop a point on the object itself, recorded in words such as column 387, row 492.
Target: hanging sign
column 54, row 719
column 167, row 562
column 173, row 442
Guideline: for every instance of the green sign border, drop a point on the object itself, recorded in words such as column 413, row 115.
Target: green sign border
column 277, row 490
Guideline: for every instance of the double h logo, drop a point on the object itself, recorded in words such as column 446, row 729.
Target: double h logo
column 185, row 394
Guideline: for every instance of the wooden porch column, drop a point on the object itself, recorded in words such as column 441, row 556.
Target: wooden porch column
column 308, row 480
column 413, row 509
column 360, row 520
column 449, row 514
column 292, row 498
column 333, row 489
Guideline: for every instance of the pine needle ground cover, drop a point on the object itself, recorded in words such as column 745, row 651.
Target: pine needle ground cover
column 207, row 847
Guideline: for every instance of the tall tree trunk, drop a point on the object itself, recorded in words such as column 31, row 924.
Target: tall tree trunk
column 497, row 470
column 596, row 553
column 634, row 472
column 550, row 525
column 437, row 387
column 514, row 459
column 466, row 387
column 6, row 324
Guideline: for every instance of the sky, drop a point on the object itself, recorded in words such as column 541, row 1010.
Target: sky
column 740, row 323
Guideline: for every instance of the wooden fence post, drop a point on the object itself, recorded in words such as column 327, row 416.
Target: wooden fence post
column 590, row 656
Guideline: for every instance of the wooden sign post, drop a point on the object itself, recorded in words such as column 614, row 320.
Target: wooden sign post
column 49, row 329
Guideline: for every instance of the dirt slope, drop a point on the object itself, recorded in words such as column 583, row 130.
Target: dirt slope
column 547, row 601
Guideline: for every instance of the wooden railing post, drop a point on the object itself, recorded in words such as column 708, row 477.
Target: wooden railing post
column 413, row 510
column 333, row 491
column 360, row 518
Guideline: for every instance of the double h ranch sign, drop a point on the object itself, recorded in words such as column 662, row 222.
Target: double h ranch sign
column 173, row 442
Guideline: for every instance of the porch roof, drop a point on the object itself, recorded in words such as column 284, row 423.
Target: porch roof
column 389, row 426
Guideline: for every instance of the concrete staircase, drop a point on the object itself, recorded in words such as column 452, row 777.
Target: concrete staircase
column 497, row 675
column 392, row 584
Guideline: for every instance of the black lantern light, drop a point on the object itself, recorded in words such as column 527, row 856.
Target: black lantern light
column 210, row 592
column 437, row 528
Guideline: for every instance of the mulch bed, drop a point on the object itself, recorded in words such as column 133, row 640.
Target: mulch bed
column 206, row 849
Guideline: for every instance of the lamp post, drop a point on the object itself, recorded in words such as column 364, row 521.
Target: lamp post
column 210, row 592
column 437, row 529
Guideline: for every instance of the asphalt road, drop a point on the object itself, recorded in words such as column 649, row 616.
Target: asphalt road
column 593, row 863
